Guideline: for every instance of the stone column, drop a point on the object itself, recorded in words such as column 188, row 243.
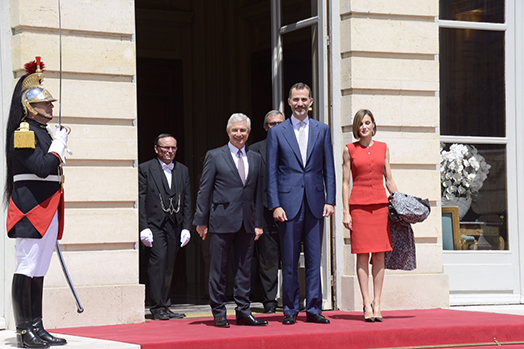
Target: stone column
column 389, row 64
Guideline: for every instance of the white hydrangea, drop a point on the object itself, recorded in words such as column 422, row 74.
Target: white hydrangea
column 462, row 171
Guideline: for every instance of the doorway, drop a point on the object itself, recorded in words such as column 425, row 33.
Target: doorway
column 198, row 62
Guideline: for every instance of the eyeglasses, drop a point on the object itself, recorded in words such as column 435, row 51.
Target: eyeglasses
column 167, row 148
column 274, row 123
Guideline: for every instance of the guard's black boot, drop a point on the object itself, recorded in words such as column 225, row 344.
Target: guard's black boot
column 21, row 298
column 37, row 291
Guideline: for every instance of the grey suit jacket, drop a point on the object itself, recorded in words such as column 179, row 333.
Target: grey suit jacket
column 224, row 204
column 154, row 190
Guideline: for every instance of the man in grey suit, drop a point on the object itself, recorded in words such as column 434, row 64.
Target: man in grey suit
column 268, row 246
column 165, row 219
column 229, row 210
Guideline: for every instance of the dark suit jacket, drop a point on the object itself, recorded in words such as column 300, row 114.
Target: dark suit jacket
column 288, row 180
column 223, row 202
column 260, row 147
column 152, row 184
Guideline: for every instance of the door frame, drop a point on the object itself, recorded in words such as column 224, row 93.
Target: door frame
column 321, row 91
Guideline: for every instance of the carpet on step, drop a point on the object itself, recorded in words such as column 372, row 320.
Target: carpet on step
column 403, row 328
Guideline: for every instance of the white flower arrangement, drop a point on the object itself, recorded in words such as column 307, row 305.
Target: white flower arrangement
column 462, row 171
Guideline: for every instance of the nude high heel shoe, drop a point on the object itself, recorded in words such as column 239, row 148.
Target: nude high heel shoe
column 377, row 318
column 371, row 318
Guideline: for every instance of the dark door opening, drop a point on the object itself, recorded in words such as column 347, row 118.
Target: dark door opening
column 199, row 61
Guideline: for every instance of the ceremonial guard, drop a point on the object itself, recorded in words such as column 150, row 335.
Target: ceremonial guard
column 33, row 191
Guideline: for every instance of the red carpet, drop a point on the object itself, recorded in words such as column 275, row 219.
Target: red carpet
column 407, row 328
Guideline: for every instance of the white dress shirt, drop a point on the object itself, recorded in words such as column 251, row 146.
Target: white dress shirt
column 167, row 172
column 296, row 126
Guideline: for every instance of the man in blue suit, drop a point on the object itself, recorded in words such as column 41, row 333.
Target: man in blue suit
column 230, row 210
column 301, row 193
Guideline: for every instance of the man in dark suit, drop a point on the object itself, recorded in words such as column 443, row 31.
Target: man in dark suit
column 268, row 246
column 165, row 219
column 230, row 210
column 301, row 193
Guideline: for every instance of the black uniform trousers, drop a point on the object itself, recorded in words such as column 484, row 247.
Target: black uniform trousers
column 161, row 265
column 268, row 254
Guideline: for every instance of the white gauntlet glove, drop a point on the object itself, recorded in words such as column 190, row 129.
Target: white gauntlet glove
column 59, row 143
column 146, row 236
column 185, row 236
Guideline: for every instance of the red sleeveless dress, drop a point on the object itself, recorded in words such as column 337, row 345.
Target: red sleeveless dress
column 368, row 202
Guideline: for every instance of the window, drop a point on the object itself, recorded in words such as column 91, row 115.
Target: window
column 473, row 110
column 490, row 11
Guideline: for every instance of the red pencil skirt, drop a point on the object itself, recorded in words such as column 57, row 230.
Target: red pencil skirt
column 370, row 231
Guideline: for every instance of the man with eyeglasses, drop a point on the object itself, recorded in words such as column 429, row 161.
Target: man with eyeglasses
column 268, row 245
column 165, row 220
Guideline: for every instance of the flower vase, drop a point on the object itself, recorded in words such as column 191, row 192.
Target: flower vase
column 463, row 204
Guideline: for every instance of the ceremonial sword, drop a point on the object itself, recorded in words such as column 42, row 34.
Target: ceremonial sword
column 79, row 307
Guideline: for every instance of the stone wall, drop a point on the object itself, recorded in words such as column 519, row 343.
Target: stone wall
column 101, row 186
column 389, row 64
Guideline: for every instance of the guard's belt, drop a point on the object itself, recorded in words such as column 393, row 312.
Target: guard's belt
column 33, row 177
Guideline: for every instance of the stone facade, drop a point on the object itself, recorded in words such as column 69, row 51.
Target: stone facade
column 101, row 186
column 388, row 64
column 385, row 60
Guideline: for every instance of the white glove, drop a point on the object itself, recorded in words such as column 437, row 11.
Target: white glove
column 59, row 143
column 185, row 236
column 61, row 134
column 146, row 236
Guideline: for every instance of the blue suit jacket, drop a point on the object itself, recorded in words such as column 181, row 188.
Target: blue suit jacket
column 288, row 180
column 223, row 202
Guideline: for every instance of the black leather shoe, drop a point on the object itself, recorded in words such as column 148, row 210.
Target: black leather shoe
column 289, row 319
column 250, row 321
column 221, row 321
column 160, row 314
column 270, row 309
column 175, row 315
column 317, row 318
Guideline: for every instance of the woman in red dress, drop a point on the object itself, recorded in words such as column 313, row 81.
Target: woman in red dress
column 366, row 207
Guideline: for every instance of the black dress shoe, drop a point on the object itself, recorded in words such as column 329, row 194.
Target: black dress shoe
column 160, row 314
column 175, row 315
column 250, row 321
column 318, row 318
column 221, row 321
column 270, row 309
column 289, row 319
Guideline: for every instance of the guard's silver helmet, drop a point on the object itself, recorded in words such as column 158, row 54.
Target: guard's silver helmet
column 32, row 89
